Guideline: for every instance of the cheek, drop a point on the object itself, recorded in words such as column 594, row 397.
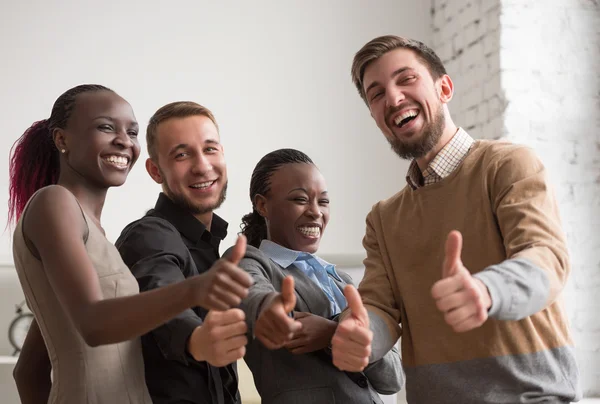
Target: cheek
column 135, row 150
column 219, row 165
column 325, row 218
column 379, row 116
column 173, row 176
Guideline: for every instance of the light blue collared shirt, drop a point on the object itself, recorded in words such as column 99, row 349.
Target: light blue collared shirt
column 317, row 269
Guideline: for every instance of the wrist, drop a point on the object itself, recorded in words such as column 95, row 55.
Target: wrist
column 485, row 294
column 195, row 344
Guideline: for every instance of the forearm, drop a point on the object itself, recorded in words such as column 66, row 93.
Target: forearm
column 518, row 288
column 253, row 304
column 120, row 319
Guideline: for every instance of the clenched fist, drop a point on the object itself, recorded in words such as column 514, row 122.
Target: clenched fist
column 221, row 339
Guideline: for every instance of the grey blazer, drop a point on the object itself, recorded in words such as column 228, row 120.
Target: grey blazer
column 281, row 377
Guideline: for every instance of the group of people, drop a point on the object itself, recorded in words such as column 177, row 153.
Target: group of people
column 465, row 264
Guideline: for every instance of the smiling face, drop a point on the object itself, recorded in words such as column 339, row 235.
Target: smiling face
column 406, row 103
column 296, row 207
column 100, row 139
column 190, row 163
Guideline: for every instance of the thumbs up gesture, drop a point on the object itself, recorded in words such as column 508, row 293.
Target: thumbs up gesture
column 463, row 299
column 274, row 327
column 351, row 343
column 225, row 284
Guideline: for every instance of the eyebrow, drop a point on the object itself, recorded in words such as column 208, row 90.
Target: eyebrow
column 108, row 118
column 394, row 74
column 181, row 146
column 178, row 147
column 304, row 190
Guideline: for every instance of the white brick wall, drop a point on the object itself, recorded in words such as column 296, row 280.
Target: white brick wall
column 466, row 36
column 528, row 71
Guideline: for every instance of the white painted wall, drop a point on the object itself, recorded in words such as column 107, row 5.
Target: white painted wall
column 275, row 73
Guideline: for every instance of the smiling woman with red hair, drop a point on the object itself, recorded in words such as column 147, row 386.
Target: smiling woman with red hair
column 85, row 301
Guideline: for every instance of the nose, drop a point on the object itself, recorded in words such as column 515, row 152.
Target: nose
column 314, row 210
column 202, row 165
column 123, row 140
column 394, row 96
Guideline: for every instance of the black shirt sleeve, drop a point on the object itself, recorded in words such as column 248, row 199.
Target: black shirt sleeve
column 157, row 256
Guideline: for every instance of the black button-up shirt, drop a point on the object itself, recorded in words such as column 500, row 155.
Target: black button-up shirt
column 166, row 246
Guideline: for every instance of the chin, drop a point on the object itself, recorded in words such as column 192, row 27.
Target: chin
column 115, row 182
column 311, row 248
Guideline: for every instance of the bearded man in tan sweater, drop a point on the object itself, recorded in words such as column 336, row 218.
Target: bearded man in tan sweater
column 466, row 263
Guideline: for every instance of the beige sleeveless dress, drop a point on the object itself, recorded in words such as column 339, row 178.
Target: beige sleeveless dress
column 108, row 374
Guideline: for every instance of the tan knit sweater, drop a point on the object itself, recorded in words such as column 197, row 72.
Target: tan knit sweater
column 498, row 198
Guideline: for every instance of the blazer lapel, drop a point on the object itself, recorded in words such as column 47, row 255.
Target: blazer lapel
column 311, row 294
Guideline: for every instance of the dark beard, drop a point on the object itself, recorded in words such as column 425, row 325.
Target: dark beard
column 184, row 203
column 430, row 137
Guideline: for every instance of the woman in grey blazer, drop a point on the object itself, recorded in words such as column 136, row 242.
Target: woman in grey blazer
column 296, row 298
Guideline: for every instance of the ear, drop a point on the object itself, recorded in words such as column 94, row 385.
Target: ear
column 260, row 204
column 154, row 171
column 60, row 139
column 446, row 88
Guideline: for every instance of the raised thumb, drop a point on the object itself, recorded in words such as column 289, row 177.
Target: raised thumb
column 452, row 254
column 238, row 251
column 357, row 309
column 288, row 295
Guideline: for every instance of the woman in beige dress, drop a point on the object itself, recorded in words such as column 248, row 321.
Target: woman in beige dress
column 87, row 306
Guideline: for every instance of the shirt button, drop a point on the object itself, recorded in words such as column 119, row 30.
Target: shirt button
column 362, row 382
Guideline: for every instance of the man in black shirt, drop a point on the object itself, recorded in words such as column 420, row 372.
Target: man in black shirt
column 190, row 359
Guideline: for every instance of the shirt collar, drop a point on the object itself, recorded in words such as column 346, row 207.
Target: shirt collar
column 458, row 147
column 186, row 223
column 285, row 257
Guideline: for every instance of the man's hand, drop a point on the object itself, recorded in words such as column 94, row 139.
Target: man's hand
column 225, row 284
column 221, row 339
column 463, row 299
column 274, row 327
column 315, row 334
column 351, row 343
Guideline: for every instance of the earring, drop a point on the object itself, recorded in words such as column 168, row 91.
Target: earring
column 62, row 151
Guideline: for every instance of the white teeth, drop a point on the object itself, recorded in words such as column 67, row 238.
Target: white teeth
column 407, row 114
column 310, row 231
column 202, row 185
column 119, row 161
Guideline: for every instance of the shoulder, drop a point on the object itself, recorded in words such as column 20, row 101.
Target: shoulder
column 347, row 279
column 498, row 153
column 53, row 198
column 150, row 234
column 507, row 163
column 52, row 207
column 254, row 259
column 387, row 206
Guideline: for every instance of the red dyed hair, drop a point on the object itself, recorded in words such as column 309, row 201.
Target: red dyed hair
column 35, row 160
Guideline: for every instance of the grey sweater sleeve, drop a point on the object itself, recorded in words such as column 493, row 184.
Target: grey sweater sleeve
column 386, row 375
column 517, row 287
column 383, row 341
